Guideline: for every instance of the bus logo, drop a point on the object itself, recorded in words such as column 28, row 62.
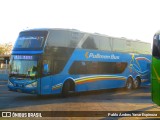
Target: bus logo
column 86, row 55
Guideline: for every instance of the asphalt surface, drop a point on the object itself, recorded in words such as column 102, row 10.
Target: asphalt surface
column 118, row 100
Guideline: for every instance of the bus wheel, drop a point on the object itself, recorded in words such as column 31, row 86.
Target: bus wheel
column 129, row 84
column 137, row 83
column 68, row 87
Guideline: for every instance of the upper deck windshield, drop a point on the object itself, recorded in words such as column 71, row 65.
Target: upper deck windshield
column 23, row 66
column 30, row 40
column 156, row 46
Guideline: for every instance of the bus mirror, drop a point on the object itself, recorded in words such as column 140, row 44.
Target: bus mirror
column 45, row 68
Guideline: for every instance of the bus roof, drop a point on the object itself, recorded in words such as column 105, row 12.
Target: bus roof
column 75, row 30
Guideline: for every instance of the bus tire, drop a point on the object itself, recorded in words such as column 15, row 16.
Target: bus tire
column 68, row 87
column 129, row 84
column 137, row 83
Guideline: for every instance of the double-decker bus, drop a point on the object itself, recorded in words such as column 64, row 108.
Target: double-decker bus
column 54, row 61
column 155, row 74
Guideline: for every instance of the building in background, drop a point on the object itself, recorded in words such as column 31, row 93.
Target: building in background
column 4, row 62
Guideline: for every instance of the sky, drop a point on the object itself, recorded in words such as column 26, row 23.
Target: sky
column 133, row 19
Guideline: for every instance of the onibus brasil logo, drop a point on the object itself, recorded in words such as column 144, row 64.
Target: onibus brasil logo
column 100, row 56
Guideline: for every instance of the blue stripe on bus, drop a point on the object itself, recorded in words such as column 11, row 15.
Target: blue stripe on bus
column 27, row 52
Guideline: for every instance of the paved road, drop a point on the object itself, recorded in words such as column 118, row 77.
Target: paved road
column 109, row 100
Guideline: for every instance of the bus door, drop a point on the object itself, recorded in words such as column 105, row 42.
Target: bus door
column 45, row 82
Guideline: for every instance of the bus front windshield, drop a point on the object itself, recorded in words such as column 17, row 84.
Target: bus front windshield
column 23, row 66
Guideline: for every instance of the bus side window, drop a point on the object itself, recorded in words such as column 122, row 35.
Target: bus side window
column 46, row 66
column 78, row 67
column 57, row 66
column 89, row 43
column 156, row 46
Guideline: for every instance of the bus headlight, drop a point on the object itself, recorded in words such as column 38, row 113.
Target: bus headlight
column 34, row 84
column 9, row 83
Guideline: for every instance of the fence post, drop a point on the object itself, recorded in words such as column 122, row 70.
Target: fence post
column 6, row 67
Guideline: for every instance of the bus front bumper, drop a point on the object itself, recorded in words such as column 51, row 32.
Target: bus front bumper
column 22, row 88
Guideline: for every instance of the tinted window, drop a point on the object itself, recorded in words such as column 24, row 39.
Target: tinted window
column 63, row 38
column 88, row 67
column 156, row 46
column 30, row 39
column 56, row 58
column 98, row 42
column 54, row 66
column 105, row 43
column 119, row 45
column 90, row 43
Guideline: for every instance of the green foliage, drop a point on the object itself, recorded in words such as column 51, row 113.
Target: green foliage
column 5, row 49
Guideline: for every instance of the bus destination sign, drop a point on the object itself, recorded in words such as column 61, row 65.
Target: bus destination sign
column 23, row 57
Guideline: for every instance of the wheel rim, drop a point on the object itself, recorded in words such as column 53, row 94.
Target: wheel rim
column 136, row 83
column 129, row 84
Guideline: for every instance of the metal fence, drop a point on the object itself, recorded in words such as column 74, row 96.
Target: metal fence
column 4, row 74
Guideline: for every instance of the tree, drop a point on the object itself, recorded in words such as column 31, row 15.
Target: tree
column 5, row 49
